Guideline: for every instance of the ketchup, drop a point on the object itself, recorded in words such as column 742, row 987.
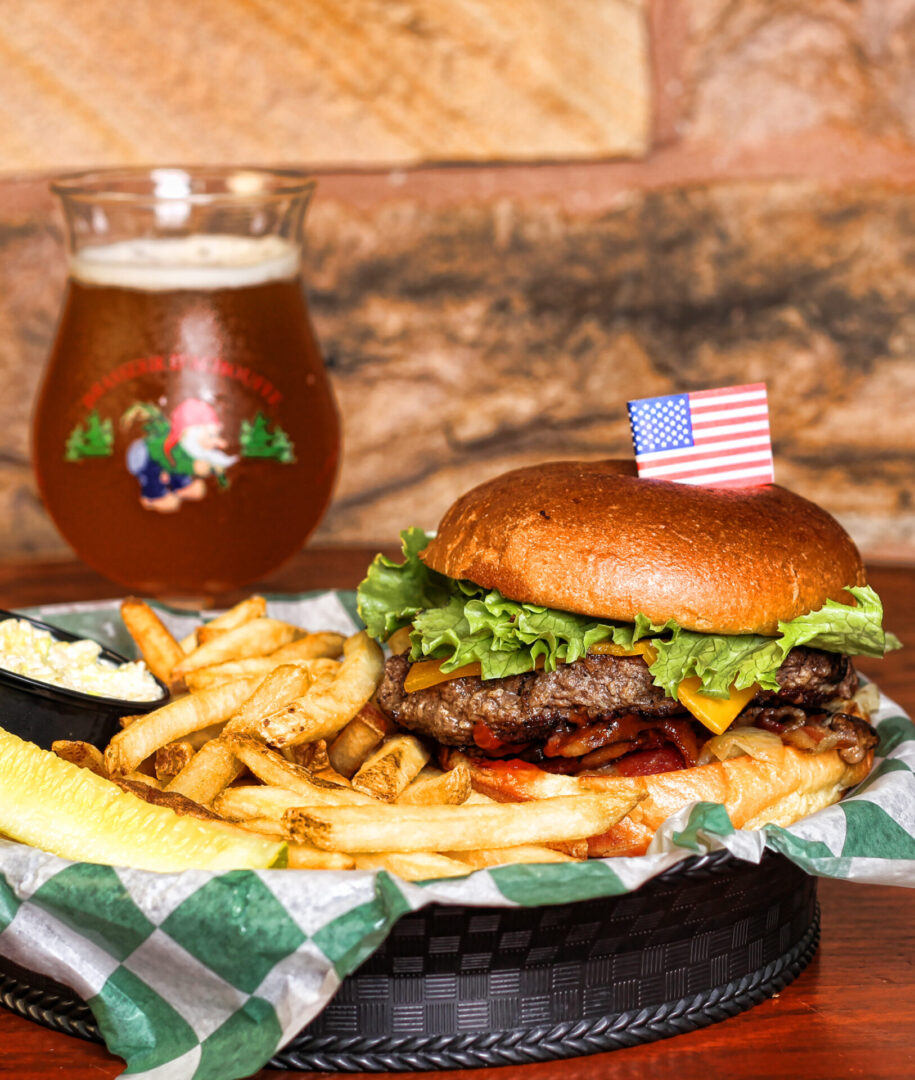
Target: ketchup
column 486, row 740
column 649, row 762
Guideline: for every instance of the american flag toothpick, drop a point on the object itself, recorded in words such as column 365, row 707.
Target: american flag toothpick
column 719, row 438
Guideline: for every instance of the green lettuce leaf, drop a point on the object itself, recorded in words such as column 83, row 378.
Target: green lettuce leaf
column 721, row 661
column 393, row 593
column 459, row 622
column 836, row 626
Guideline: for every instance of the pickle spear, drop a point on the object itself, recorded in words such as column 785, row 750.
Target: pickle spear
column 54, row 805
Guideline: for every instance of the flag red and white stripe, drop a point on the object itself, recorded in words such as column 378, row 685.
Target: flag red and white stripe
column 718, row 438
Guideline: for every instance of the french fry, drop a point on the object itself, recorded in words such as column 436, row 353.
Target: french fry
column 311, row 756
column 526, row 853
column 308, row 857
column 271, row 767
column 208, row 632
column 325, row 644
column 215, row 766
column 575, row 849
column 203, row 678
column 374, row 718
column 172, row 758
column 358, row 739
column 143, row 778
column 450, row 788
column 264, row 826
column 80, row 753
column 568, row 849
column 399, row 641
column 299, row 856
column 251, row 608
column 391, row 768
column 322, row 670
column 246, row 801
column 331, row 776
column 283, row 685
column 325, row 710
column 151, row 793
column 415, row 866
column 172, row 722
column 209, row 771
column 216, row 674
column 200, row 738
column 154, row 640
column 257, row 637
column 393, row 827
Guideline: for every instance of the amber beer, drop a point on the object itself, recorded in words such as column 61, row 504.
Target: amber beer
column 185, row 437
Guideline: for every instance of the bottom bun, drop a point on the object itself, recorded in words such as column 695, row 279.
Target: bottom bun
column 780, row 790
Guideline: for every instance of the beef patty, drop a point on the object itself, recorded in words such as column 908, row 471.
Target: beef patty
column 531, row 707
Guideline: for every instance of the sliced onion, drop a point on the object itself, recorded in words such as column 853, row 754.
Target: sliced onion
column 736, row 742
column 862, row 704
column 867, row 699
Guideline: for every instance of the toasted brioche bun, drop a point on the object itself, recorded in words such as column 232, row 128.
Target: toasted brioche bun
column 779, row 791
column 592, row 538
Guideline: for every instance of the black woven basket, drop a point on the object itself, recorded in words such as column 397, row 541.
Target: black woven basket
column 463, row 987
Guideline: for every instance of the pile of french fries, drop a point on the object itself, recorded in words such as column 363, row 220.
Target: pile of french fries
column 271, row 728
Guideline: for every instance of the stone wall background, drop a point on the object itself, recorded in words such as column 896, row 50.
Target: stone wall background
column 354, row 82
column 479, row 314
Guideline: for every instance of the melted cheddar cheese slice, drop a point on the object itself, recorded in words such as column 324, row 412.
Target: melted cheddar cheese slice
column 716, row 713
column 426, row 673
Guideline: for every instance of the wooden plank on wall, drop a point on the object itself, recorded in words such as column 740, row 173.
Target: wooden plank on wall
column 359, row 82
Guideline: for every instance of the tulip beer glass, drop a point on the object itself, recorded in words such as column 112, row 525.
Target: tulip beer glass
column 185, row 438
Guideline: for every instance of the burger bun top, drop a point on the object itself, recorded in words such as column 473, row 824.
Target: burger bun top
column 593, row 538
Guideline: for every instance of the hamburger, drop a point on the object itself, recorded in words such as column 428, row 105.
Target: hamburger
column 571, row 626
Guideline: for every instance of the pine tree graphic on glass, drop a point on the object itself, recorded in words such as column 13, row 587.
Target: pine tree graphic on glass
column 95, row 439
column 258, row 441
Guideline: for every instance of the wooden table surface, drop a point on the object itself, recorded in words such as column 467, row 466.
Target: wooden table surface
column 850, row 1014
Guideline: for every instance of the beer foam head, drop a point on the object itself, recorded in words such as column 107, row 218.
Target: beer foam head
column 155, row 264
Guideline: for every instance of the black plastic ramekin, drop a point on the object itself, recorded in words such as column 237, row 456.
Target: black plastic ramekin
column 41, row 712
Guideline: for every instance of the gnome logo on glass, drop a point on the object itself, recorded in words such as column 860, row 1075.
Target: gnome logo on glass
column 176, row 454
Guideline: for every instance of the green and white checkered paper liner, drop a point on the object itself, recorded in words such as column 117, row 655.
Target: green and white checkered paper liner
column 206, row 975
